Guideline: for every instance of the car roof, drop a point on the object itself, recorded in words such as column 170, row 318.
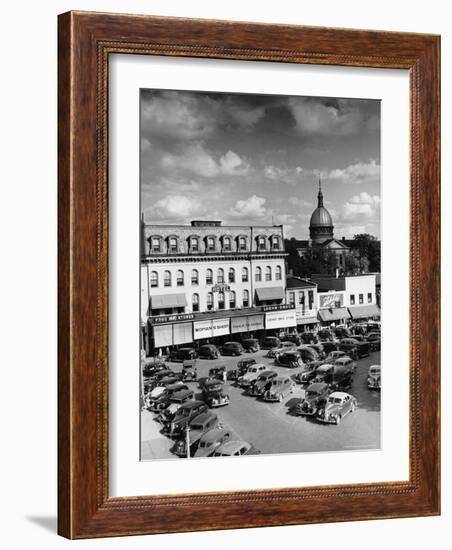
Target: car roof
column 203, row 417
column 213, row 382
column 374, row 367
column 186, row 349
column 325, row 366
column 232, row 342
column 232, row 446
column 316, row 386
column 268, row 371
column 207, row 346
column 340, row 394
column 192, row 404
column 281, row 379
column 214, row 433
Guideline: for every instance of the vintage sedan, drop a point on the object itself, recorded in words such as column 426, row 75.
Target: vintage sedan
column 270, row 342
column 354, row 348
column 242, row 367
column 279, row 388
column 182, row 354
column 236, row 448
column 261, row 384
column 161, row 401
column 374, row 377
column 334, row 355
column 338, row 405
column 308, row 373
column 308, row 354
column 152, row 367
column 189, row 371
column 250, row 345
column 208, row 351
column 326, row 335
column 315, row 398
column 199, row 425
column 251, row 375
column 273, row 353
column 232, row 348
column 211, row 440
column 184, row 415
column 374, row 340
column 213, row 394
column 292, row 359
column 175, row 403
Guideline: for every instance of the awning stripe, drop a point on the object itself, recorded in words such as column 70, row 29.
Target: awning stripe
column 270, row 293
column 168, row 301
column 364, row 311
column 334, row 314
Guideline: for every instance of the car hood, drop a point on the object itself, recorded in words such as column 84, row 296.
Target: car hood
column 331, row 409
column 250, row 376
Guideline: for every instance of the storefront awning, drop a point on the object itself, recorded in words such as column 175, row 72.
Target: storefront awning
column 270, row 293
column 306, row 320
column 358, row 312
column 333, row 314
column 167, row 301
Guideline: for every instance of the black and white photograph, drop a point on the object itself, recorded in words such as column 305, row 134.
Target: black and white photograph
column 260, row 306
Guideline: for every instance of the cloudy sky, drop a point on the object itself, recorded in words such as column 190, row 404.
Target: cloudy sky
column 256, row 159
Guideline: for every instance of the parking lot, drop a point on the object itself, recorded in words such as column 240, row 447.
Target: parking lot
column 269, row 426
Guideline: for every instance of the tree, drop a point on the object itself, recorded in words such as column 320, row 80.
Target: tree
column 367, row 248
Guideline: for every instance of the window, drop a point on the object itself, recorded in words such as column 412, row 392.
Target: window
column 258, row 274
column 244, row 274
column 220, row 275
column 242, row 243
column 261, row 244
column 221, row 300
column 232, row 299
column 194, row 244
column 172, row 244
column 352, row 299
column 246, row 298
column 301, row 299
column 311, row 298
column 167, row 278
column 231, row 275
column 268, row 273
column 278, row 273
column 227, row 244
column 210, row 244
column 361, row 298
column 275, row 243
column 180, row 278
column 195, row 302
column 209, row 301
column 369, row 297
column 154, row 279
column 156, row 244
column 292, row 298
column 340, row 259
column 209, row 277
column 194, row 277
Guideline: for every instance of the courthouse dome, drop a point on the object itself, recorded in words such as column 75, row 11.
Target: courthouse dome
column 321, row 225
column 321, row 217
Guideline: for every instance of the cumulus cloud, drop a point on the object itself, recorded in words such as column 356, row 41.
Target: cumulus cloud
column 357, row 173
column 252, row 207
column 174, row 208
column 362, row 204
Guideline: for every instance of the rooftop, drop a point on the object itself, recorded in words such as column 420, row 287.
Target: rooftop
column 298, row 282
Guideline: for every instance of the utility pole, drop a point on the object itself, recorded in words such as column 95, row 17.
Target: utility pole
column 187, row 440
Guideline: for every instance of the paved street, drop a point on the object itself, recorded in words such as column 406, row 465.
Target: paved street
column 269, row 427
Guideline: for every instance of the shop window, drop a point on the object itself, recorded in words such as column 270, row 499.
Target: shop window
column 194, row 277
column 220, row 276
column 154, row 279
column 258, row 274
column 268, row 273
column 246, row 298
column 195, row 302
column 180, row 278
column 244, row 275
column 209, row 277
column 209, row 301
column 278, row 273
column 231, row 275
column 361, row 298
column 369, row 297
column 167, row 278
column 352, row 299
column 232, row 299
column 221, row 304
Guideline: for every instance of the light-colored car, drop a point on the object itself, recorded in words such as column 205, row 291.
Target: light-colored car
column 338, row 405
column 236, row 448
column 284, row 346
column 211, row 440
column 279, row 388
column 374, row 377
column 251, row 375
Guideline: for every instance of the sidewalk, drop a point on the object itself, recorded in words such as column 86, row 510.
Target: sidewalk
column 154, row 445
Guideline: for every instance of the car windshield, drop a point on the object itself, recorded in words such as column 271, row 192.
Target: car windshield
column 205, row 444
column 311, row 393
column 335, row 400
column 253, row 369
column 197, row 427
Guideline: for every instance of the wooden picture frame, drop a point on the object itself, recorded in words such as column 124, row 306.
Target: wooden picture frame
column 86, row 40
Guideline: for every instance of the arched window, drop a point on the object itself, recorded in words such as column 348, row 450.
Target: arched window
column 275, row 242
column 209, row 277
column 194, row 277
column 172, row 244
column 180, row 278
column 241, row 243
column 232, row 298
column 231, row 275
column 226, row 244
column 261, row 243
column 221, row 300
column 154, row 279
column 209, row 301
column 195, row 302
column 167, row 278
column 210, row 244
column 156, row 244
column 258, row 274
column 220, row 275
column 194, row 244
column 268, row 273
column 244, row 274
column 246, row 298
column 278, row 273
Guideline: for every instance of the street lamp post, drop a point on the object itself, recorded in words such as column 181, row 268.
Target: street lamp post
column 187, row 440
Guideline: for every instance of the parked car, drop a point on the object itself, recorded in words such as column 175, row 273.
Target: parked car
column 159, row 402
column 374, row 340
column 359, row 329
column 334, row 355
column 153, row 367
column 270, row 342
column 342, row 332
column 211, row 440
column 176, row 401
column 308, row 354
column 295, row 338
column 182, row 354
column 183, row 416
column 373, row 326
column 334, row 375
column 328, row 347
column 250, row 345
column 189, row 371
column 309, row 337
column 338, row 405
column 284, row 346
column 217, row 373
column 308, row 373
column 346, row 363
column 354, row 348
column 251, row 374
column 242, row 367
column 326, row 335
column 315, row 398
column 232, row 348
column 152, row 381
column 374, row 377
column 214, row 395
column 318, row 348
column 292, row 359
column 208, row 351
column 200, row 425
column 279, row 388
column 236, row 448
column 260, row 385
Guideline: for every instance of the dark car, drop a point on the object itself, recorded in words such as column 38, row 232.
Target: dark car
column 232, row 348
column 295, row 338
column 153, row 367
column 250, row 345
column 308, row 354
column 242, row 367
column 279, row 388
column 176, row 401
column 199, row 425
column 262, row 383
column 342, row 332
column 163, row 400
column 292, row 359
column 152, row 381
column 208, row 351
column 214, row 395
column 326, row 335
column 318, row 348
column 189, row 371
column 354, row 348
column 270, row 342
column 308, row 373
column 211, row 440
column 328, row 346
column 315, row 398
column 309, row 338
column 359, row 329
column 337, row 375
column 184, row 415
column 236, row 448
column 183, row 354
column 374, row 340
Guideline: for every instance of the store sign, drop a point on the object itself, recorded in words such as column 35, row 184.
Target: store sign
column 331, row 300
column 221, row 288
column 171, row 318
column 280, row 319
column 278, row 307
column 211, row 328
column 247, row 324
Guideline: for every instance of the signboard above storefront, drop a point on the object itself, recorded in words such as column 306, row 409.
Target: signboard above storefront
column 280, row 319
column 277, row 307
column 210, row 328
column 177, row 317
column 331, row 300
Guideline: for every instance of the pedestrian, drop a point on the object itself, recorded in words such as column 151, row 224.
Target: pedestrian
column 224, row 376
